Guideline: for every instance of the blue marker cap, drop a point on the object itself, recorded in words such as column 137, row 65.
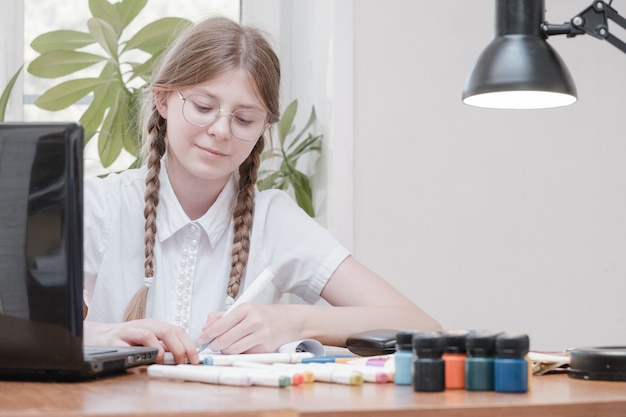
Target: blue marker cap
column 207, row 361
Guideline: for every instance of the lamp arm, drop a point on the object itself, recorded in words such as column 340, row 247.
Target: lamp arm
column 591, row 21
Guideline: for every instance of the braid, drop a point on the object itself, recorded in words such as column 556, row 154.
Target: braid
column 157, row 127
column 242, row 217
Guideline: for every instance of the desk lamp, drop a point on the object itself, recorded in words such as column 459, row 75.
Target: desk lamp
column 519, row 69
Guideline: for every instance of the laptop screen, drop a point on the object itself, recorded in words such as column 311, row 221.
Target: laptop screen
column 41, row 245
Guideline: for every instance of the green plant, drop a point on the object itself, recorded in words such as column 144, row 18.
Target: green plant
column 288, row 152
column 115, row 91
column 6, row 93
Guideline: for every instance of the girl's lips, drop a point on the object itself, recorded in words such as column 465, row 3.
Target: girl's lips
column 211, row 153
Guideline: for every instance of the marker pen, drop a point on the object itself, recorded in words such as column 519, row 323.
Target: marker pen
column 384, row 361
column 272, row 357
column 216, row 375
column 307, row 374
column 297, row 377
column 373, row 374
column 255, row 288
column 324, row 359
column 263, row 377
column 331, row 374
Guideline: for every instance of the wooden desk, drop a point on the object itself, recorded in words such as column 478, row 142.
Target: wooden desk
column 135, row 394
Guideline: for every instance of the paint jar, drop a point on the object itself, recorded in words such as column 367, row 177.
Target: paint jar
column 479, row 364
column 454, row 356
column 510, row 364
column 428, row 366
column 403, row 358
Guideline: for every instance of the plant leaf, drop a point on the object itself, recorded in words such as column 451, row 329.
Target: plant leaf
column 111, row 136
column 308, row 145
column 156, row 36
column 103, row 10
column 129, row 9
column 307, row 126
column 61, row 39
column 286, row 121
column 105, row 35
column 303, row 193
column 92, row 117
column 144, row 71
column 6, row 93
column 58, row 63
column 65, row 94
column 132, row 138
column 268, row 181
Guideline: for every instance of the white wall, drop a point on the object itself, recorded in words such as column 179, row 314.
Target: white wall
column 506, row 220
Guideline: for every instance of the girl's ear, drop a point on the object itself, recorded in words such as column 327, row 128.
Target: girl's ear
column 160, row 101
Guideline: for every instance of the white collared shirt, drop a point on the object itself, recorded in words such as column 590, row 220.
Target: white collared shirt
column 192, row 258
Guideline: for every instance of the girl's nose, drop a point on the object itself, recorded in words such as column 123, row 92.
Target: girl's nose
column 220, row 128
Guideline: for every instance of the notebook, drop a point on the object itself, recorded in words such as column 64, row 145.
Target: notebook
column 41, row 259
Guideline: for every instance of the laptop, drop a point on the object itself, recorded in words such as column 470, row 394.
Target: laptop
column 41, row 259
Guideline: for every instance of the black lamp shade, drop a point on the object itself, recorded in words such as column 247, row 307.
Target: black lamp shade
column 519, row 69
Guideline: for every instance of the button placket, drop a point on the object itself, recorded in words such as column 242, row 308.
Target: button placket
column 186, row 268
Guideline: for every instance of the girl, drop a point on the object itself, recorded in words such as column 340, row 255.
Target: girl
column 170, row 245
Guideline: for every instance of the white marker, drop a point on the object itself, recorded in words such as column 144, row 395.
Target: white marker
column 272, row 357
column 255, row 288
column 208, row 374
column 347, row 376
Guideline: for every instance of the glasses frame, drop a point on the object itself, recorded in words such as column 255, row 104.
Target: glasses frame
column 221, row 112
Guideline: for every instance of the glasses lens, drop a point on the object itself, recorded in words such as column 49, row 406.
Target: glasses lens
column 247, row 125
column 201, row 110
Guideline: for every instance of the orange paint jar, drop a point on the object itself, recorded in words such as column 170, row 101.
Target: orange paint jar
column 454, row 358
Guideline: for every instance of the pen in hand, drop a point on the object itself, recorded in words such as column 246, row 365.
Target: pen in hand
column 249, row 294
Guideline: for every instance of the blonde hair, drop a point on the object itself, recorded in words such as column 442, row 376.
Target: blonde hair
column 206, row 50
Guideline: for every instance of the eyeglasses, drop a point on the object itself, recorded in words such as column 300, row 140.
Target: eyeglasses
column 203, row 111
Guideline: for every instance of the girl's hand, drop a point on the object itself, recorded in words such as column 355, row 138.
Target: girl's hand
column 146, row 332
column 252, row 328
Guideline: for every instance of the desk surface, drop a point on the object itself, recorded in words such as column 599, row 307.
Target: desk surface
column 136, row 394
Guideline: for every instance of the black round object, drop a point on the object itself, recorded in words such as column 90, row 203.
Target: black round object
column 598, row 363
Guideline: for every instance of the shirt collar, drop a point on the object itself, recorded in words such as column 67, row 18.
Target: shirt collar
column 171, row 217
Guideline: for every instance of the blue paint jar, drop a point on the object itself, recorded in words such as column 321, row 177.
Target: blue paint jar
column 479, row 364
column 510, row 364
column 428, row 366
column 403, row 358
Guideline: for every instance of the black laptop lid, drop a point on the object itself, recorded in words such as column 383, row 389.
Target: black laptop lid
column 41, row 246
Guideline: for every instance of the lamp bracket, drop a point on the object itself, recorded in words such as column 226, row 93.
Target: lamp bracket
column 594, row 21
